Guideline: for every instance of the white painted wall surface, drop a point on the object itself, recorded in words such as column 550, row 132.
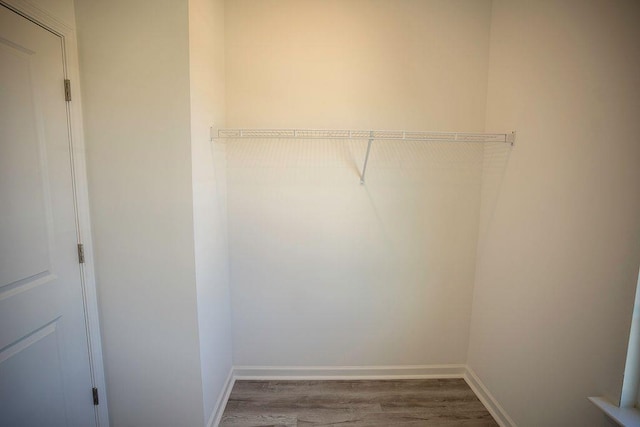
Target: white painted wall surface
column 401, row 64
column 329, row 272
column 556, row 276
column 325, row 271
column 134, row 59
column 206, row 67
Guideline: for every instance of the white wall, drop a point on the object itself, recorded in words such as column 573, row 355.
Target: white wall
column 557, row 272
column 206, row 66
column 134, row 62
column 325, row 271
column 403, row 64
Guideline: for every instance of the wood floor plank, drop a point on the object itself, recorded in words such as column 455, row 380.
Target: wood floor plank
column 357, row 403
column 245, row 420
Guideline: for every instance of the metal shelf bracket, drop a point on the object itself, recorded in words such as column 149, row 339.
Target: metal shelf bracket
column 366, row 158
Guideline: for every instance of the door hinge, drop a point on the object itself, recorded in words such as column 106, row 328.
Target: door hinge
column 67, row 90
column 96, row 400
column 80, row 253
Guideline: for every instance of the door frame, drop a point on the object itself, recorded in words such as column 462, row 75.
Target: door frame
column 68, row 39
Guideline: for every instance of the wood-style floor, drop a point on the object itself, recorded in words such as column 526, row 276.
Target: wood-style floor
column 432, row 402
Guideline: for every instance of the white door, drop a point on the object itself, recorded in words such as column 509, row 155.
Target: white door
column 45, row 376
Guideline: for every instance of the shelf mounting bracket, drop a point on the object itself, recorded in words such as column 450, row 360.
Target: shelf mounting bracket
column 366, row 158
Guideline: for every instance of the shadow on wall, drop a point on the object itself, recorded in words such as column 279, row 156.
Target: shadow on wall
column 494, row 166
column 411, row 186
column 393, row 260
column 409, row 161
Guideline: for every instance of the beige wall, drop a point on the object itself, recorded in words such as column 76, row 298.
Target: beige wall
column 206, row 67
column 326, row 271
column 557, row 270
column 134, row 63
column 357, row 63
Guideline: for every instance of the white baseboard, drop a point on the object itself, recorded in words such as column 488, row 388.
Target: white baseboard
column 218, row 409
column 487, row 399
column 347, row 372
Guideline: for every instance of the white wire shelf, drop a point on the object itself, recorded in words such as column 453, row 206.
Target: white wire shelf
column 370, row 135
column 388, row 135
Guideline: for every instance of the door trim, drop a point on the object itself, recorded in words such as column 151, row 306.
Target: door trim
column 67, row 36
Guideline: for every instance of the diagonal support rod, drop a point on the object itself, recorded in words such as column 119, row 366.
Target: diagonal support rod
column 366, row 158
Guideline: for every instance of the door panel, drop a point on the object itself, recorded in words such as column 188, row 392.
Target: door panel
column 24, row 220
column 45, row 376
column 37, row 363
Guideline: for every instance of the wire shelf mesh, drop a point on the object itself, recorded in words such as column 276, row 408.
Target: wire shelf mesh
column 389, row 135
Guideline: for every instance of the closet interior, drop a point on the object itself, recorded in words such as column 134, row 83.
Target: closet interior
column 252, row 219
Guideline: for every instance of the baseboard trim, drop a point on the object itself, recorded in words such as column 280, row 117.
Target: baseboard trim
column 218, row 409
column 347, row 372
column 487, row 399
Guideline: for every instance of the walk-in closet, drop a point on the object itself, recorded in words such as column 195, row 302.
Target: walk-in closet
column 353, row 212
